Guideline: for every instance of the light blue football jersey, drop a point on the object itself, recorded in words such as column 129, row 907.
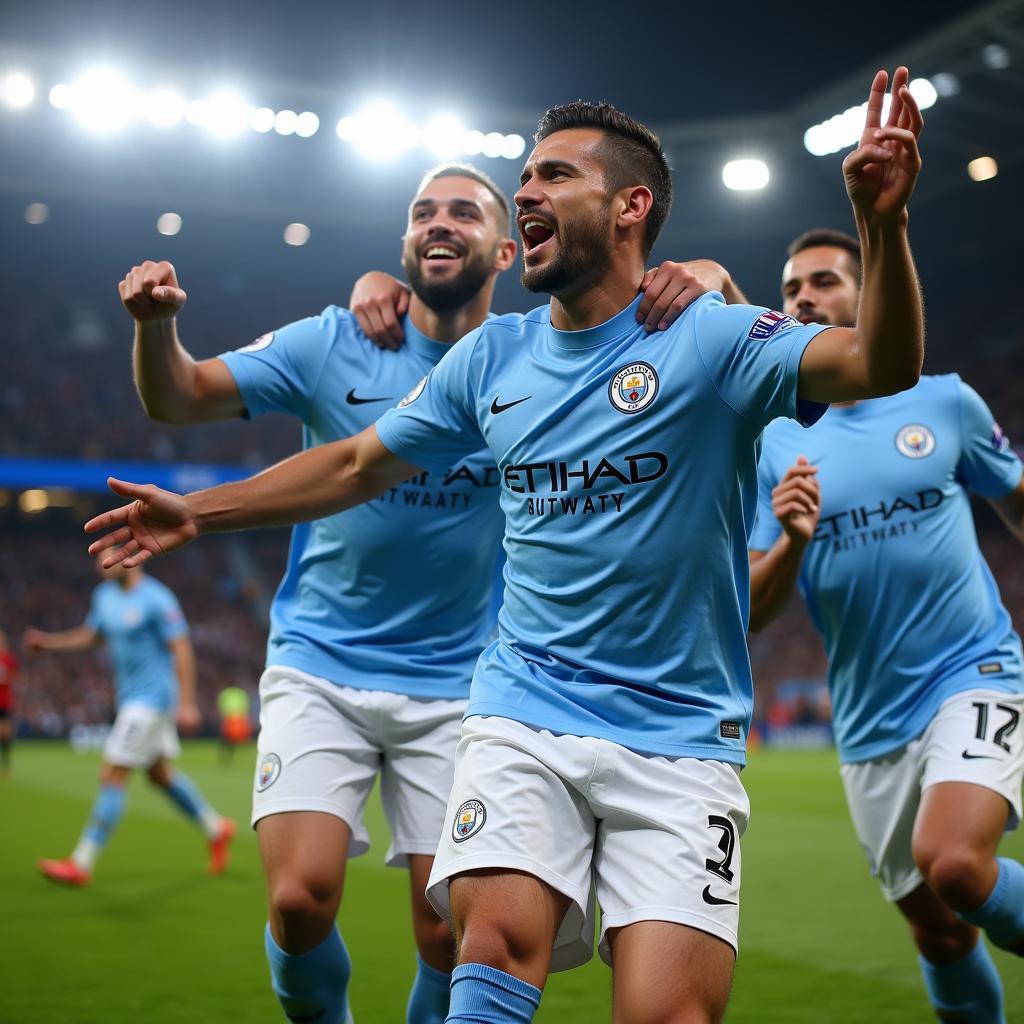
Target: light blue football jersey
column 894, row 579
column 397, row 594
column 628, row 482
column 136, row 626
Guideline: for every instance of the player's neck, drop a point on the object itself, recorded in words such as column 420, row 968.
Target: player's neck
column 450, row 325
column 595, row 302
column 130, row 580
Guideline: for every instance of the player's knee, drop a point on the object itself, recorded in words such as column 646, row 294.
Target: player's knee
column 434, row 940
column 301, row 902
column 943, row 943
column 503, row 943
column 955, row 873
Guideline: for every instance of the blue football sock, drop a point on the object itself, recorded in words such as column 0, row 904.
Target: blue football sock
column 968, row 990
column 106, row 813
column 1001, row 916
column 485, row 995
column 311, row 987
column 185, row 794
column 428, row 1000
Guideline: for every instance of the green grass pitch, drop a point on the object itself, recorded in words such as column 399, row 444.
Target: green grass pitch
column 154, row 939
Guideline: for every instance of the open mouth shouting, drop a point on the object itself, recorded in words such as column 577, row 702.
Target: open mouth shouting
column 440, row 253
column 537, row 233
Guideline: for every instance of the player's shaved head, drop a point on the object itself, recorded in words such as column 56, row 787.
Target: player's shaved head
column 457, row 169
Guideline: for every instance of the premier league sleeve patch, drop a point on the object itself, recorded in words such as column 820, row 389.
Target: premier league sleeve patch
column 413, row 395
column 469, row 819
column 770, row 323
column 1000, row 442
column 262, row 342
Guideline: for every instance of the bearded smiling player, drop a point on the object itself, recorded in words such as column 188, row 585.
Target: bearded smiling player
column 606, row 726
column 869, row 512
column 383, row 610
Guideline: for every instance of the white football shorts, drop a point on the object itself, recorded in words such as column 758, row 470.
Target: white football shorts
column 656, row 837
column 976, row 736
column 141, row 736
column 321, row 747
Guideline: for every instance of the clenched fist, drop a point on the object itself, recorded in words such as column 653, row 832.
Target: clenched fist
column 150, row 292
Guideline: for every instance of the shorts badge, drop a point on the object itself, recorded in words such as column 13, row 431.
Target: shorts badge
column 469, row 819
column 269, row 770
column 633, row 388
column 915, row 441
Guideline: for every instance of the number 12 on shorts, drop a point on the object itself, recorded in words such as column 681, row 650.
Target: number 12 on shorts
column 1005, row 729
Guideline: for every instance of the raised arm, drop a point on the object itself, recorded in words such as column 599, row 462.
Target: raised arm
column 311, row 485
column 80, row 638
column 796, row 503
column 883, row 354
column 174, row 388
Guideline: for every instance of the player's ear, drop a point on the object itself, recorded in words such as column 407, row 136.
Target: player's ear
column 632, row 205
column 505, row 255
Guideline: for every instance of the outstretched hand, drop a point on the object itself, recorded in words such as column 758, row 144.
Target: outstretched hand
column 155, row 523
column 882, row 172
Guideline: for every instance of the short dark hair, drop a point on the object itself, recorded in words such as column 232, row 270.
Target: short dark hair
column 631, row 152
column 830, row 237
column 457, row 169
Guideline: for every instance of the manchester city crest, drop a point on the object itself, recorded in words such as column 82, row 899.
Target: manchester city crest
column 268, row 771
column 633, row 388
column 262, row 342
column 915, row 441
column 469, row 819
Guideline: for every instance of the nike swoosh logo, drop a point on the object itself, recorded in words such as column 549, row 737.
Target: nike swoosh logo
column 496, row 408
column 352, row 400
column 714, row 900
column 982, row 757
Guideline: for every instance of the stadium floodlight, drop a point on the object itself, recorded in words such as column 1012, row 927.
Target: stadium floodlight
column 296, row 234
column 307, row 124
column 996, row 56
column 845, row 129
column 285, row 122
column 748, row 175
column 227, row 115
column 164, row 107
column 195, row 113
column 168, row 223
column 513, row 147
column 262, row 120
column 103, row 100
column 380, row 131
column 36, row 213
column 494, row 145
column 60, row 96
column 982, row 168
column 473, row 142
column 33, row 500
column 443, row 135
column 18, row 90
column 946, row 83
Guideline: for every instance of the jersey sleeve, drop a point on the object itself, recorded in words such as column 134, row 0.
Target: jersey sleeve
column 280, row 371
column 436, row 424
column 169, row 616
column 752, row 356
column 988, row 465
column 767, row 528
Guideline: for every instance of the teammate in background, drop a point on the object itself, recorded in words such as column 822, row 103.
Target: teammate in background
column 605, row 728
column 8, row 673
column 383, row 610
column 141, row 623
column 235, row 728
column 869, row 511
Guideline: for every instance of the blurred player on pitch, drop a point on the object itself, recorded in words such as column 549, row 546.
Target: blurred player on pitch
column 869, row 511
column 8, row 673
column 142, row 626
column 383, row 609
column 606, row 726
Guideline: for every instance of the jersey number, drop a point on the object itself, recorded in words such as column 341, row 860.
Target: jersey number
column 726, row 843
column 1004, row 732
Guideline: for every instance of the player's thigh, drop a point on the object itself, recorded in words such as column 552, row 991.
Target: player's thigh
column 515, row 808
column 420, row 738
column 317, row 750
column 665, row 973
column 974, row 750
column 668, row 844
column 137, row 738
column 883, row 796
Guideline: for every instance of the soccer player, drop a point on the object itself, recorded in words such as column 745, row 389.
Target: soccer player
column 383, row 610
column 142, row 625
column 8, row 673
column 235, row 728
column 869, row 512
column 605, row 729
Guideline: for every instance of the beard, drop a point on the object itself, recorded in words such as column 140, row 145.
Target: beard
column 448, row 294
column 584, row 253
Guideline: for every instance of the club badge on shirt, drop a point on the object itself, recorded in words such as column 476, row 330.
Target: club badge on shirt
column 633, row 388
column 915, row 441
